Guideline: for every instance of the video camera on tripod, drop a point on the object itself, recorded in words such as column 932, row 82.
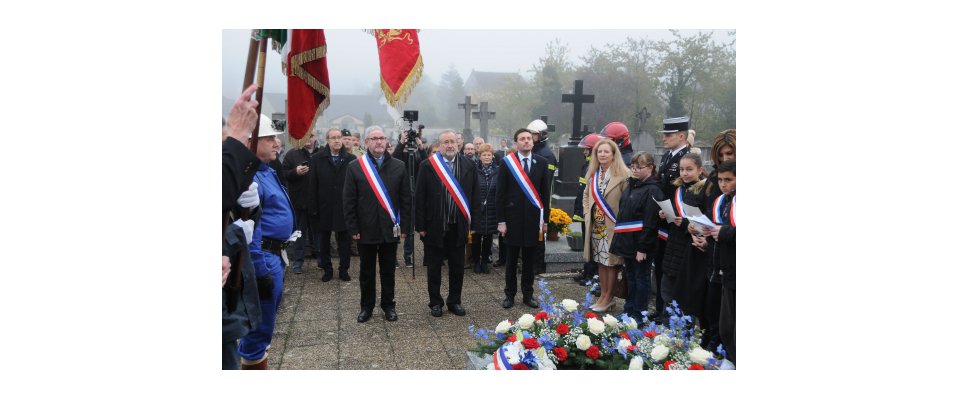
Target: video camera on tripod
column 411, row 116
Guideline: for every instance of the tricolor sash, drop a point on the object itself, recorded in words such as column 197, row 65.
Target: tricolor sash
column 526, row 186
column 662, row 234
column 678, row 199
column 623, row 227
column 598, row 197
column 717, row 218
column 733, row 212
column 500, row 360
column 451, row 183
column 373, row 178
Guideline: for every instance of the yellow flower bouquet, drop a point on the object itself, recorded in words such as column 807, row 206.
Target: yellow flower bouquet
column 559, row 221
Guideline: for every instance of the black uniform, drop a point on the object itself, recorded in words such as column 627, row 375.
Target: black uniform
column 668, row 170
column 523, row 221
column 364, row 215
column 446, row 227
column 325, row 205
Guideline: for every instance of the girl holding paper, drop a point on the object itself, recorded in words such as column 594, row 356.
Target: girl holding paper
column 684, row 270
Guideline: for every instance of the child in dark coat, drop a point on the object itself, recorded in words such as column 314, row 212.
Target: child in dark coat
column 683, row 270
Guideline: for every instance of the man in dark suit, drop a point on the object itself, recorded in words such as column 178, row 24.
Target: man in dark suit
column 520, row 220
column 441, row 222
column 296, row 171
column 328, row 170
column 375, row 219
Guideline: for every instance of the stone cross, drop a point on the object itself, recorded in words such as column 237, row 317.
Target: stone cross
column 642, row 117
column 577, row 98
column 484, row 115
column 467, row 108
column 550, row 127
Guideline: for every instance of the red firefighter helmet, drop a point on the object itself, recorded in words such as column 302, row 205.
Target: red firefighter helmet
column 589, row 141
column 617, row 132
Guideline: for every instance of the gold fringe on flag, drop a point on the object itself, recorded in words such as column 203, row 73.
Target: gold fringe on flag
column 296, row 69
column 406, row 89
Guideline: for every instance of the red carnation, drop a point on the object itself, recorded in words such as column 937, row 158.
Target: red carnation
column 593, row 352
column 631, row 347
column 512, row 338
column 696, row 366
column 520, row 366
column 668, row 363
column 542, row 315
column 650, row 334
column 561, row 353
column 531, row 343
column 624, row 335
column 590, row 315
column 563, row 329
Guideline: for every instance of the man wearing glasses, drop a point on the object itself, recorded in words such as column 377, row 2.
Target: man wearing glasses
column 328, row 170
column 376, row 204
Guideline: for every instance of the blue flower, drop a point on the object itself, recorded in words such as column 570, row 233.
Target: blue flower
column 578, row 317
column 501, row 336
column 529, row 359
column 721, row 351
column 547, row 344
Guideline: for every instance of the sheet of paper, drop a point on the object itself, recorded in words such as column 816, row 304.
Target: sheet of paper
column 691, row 211
column 700, row 221
column 667, row 209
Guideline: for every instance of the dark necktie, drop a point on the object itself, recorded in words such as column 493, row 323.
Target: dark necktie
column 526, row 165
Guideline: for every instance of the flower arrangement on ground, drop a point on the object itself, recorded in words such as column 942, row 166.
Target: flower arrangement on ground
column 562, row 336
column 559, row 221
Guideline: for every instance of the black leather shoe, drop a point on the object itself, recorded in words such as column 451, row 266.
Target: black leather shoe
column 436, row 310
column 390, row 314
column 508, row 302
column 344, row 276
column 327, row 275
column 364, row 315
column 531, row 303
column 457, row 309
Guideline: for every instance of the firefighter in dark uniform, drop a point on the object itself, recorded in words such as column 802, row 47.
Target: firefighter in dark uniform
column 675, row 141
column 540, row 148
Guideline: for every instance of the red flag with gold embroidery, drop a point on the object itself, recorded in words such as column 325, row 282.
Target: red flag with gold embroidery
column 400, row 63
column 308, row 84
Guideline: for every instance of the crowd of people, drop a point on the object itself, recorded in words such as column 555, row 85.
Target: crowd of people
column 457, row 198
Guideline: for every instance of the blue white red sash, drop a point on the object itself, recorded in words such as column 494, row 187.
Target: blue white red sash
column 373, row 178
column 500, row 360
column 662, row 234
column 598, row 197
column 622, row 227
column 717, row 218
column 678, row 198
column 451, row 183
column 733, row 212
column 513, row 165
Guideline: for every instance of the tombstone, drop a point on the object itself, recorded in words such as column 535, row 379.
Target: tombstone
column 484, row 116
column 571, row 159
column 643, row 140
column 467, row 108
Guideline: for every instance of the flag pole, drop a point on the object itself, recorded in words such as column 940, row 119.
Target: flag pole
column 261, row 70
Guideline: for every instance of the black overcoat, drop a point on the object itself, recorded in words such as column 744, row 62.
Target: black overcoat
column 516, row 210
column 431, row 194
column 325, row 190
column 362, row 211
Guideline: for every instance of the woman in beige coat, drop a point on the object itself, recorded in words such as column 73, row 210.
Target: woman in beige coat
column 607, row 168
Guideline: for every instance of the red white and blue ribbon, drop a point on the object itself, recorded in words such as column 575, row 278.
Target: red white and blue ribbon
column 733, row 212
column 717, row 218
column 373, row 178
column 500, row 360
column 622, row 227
column 513, row 165
column 662, row 234
column 678, row 198
column 598, row 197
column 453, row 186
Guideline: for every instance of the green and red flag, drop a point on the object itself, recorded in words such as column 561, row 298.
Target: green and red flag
column 308, row 83
column 400, row 63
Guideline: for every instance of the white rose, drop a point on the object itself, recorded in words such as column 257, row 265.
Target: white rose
column 583, row 342
column 631, row 323
column 526, row 321
column 636, row 363
column 623, row 344
column 659, row 353
column 503, row 326
column 596, row 326
column 700, row 356
column 569, row 305
column 610, row 320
